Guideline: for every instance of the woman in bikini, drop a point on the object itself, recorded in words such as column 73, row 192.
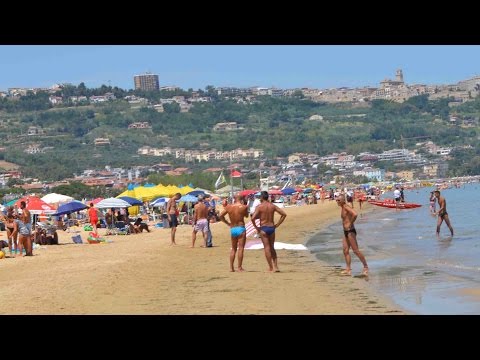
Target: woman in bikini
column 11, row 226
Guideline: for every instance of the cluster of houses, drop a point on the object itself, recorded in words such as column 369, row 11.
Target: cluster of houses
column 201, row 155
column 389, row 89
column 364, row 163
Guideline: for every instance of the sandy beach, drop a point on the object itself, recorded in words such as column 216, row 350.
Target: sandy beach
column 142, row 274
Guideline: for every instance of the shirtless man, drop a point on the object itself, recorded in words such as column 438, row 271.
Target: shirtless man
column 237, row 212
column 200, row 222
column 25, row 231
column 265, row 212
column 442, row 213
column 172, row 216
column 350, row 237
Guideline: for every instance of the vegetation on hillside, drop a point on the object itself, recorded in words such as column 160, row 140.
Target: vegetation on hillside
column 280, row 126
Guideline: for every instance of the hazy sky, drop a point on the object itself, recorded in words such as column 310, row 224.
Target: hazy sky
column 317, row 66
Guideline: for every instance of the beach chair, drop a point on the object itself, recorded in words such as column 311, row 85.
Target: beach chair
column 121, row 228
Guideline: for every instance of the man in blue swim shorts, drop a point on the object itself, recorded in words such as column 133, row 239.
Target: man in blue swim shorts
column 266, row 212
column 237, row 212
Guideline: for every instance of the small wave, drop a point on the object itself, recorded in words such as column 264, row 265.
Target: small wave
column 454, row 266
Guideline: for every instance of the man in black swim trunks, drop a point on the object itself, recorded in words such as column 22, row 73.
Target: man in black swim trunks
column 442, row 213
column 265, row 212
column 350, row 237
column 172, row 213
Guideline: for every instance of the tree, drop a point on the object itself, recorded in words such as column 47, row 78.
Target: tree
column 81, row 89
column 172, row 108
column 298, row 94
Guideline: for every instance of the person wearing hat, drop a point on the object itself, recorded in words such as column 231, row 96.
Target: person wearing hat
column 252, row 206
column 200, row 222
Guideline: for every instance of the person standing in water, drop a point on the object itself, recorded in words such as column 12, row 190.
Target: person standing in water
column 350, row 237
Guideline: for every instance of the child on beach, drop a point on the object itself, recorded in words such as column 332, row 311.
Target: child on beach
column 432, row 202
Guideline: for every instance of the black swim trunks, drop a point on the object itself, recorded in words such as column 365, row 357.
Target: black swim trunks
column 351, row 230
column 442, row 213
column 174, row 221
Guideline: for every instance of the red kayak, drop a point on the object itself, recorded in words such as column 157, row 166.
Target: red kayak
column 388, row 203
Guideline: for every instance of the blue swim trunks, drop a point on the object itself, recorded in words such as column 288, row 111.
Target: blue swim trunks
column 237, row 230
column 269, row 230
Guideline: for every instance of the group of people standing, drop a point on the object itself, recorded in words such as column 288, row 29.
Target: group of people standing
column 237, row 213
column 19, row 231
column 265, row 211
column 203, row 212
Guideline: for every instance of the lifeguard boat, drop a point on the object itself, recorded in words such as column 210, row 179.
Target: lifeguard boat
column 389, row 203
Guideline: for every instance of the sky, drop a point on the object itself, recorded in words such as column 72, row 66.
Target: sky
column 196, row 66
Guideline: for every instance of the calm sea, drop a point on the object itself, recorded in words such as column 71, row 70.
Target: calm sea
column 407, row 261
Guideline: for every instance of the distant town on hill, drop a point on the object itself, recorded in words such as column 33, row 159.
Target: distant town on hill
column 107, row 137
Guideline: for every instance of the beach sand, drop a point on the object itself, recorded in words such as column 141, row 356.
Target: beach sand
column 142, row 274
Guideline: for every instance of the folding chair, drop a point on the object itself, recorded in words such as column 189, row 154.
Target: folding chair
column 121, row 228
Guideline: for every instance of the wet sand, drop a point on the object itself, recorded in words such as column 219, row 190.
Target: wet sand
column 142, row 274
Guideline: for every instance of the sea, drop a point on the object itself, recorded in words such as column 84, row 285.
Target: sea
column 408, row 263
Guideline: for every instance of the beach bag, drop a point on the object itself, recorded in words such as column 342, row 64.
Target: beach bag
column 77, row 239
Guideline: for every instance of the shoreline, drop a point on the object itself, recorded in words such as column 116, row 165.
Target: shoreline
column 142, row 274
column 367, row 208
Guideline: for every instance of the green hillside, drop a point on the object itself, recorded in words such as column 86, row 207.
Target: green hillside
column 280, row 126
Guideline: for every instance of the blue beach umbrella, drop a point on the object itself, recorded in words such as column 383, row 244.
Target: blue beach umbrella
column 288, row 191
column 70, row 207
column 132, row 201
column 196, row 193
column 188, row 198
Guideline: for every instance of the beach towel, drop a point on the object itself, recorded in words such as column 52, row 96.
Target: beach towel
column 257, row 245
column 251, row 229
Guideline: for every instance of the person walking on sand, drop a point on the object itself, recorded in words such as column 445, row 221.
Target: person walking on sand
column 93, row 218
column 237, row 212
column 442, row 213
column 266, row 212
column 172, row 214
column 350, row 237
column 200, row 222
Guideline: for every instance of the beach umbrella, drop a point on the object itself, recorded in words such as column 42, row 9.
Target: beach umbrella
column 36, row 205
column 112, row 203
column 196, row 193
column 70, row 207
column 11, row 202
column 288, row 191
column 275, row 192
column 54, row 198
column 188, row 198
column 132, row 201
column 159, row 201
column 247, row 192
